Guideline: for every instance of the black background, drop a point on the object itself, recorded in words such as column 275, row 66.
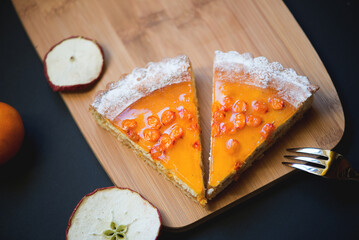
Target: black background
column 55, row 167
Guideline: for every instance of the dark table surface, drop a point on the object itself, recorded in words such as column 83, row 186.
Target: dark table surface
column 55, row 167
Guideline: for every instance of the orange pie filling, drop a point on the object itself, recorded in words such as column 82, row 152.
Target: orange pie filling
column 165, row 125
column 243, row 116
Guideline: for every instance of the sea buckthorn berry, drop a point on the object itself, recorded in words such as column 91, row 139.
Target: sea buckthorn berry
column 165, row 140
column 177, row 132
column 216, row 106
column 196, row 145
column 267, row 130
column 128, row 124
column 253, row 120
column 133, row 135
column 184, row 113
column 259, row 106
column 194, row 127
column 227, row 128
column 238, row 165
column 154, row 122
column 156, row 151
column 240, row 121
column 218, row 116
column 276, row 103
column 168, row 117
column 216, row 130
column 227, row 104
column 151, row 135
column 232, row 145
column 240, row 107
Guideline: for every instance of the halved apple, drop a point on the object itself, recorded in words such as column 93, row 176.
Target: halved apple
column 114, row 213
column 75, row 63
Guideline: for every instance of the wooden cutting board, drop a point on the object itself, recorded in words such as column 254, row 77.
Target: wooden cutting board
column 133, row 33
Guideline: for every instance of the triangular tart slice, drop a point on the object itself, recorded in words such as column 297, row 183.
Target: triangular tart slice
column 154, row 111
column 254, row 103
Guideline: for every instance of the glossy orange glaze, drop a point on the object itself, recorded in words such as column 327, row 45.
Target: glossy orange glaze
column 171, row 112
column 232, row 145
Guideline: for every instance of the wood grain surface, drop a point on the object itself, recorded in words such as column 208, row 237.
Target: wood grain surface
column 133, row 33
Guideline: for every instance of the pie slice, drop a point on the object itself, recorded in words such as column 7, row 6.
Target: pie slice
column 254, row 103
column 153, row 110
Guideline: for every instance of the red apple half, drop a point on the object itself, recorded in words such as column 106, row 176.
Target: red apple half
column 114, row 213
column 73, row 64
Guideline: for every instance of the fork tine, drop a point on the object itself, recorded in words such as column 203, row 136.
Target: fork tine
column 308, row 159
column 311, row 151
column 306, row 168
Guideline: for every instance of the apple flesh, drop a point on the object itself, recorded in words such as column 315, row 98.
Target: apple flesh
column 114, row 213
column 73, row 64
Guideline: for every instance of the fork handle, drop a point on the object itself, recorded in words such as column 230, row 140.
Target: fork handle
column 343, row 170
column 352, row 174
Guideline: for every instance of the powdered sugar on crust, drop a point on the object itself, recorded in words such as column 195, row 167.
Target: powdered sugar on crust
column 233, row 66
column 141, row 82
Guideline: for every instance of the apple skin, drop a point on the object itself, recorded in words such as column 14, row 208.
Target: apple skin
column 78, row 87
column 104, row 188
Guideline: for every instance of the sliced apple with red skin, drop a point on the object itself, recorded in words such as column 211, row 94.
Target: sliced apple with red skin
column 114, row 213
column 74, row 64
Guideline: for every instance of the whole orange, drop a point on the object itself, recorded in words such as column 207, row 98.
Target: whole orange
column 11, row 132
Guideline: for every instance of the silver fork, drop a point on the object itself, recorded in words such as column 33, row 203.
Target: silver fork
column 325, row 163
